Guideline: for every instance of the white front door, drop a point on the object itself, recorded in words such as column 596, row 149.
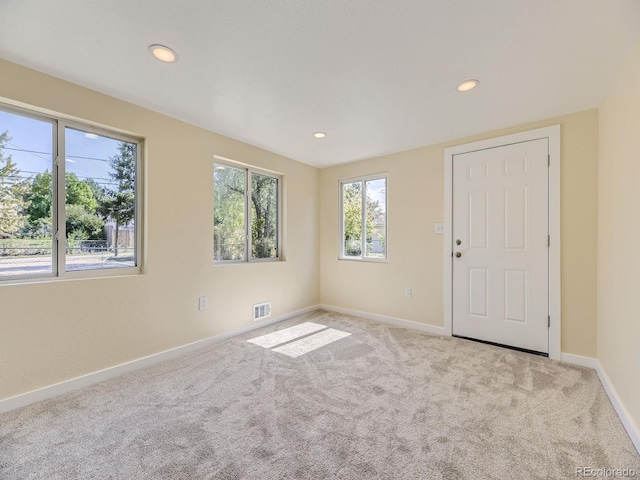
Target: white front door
column 500, row 244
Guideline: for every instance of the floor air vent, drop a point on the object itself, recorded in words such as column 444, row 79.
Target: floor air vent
column 261, row 310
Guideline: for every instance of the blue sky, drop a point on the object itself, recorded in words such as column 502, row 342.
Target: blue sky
column 31, row 147
column 376, row 191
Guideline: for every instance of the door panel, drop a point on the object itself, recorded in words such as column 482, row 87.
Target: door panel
column 515, row 218
column 501, row 218
column 478, row 292
column 516, row 294
column 478, row 219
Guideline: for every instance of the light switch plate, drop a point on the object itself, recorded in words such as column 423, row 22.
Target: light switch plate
column 202, row 303
column 439, row 228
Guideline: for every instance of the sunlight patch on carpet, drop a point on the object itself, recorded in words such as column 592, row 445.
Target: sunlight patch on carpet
column 299, row 339
column 310, row 343
column 286, row 335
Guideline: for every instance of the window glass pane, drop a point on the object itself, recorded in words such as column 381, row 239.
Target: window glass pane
column 376, row 214
column 26, row 196
column 264, row 216
column 352, row 219
column 229, row 233
column 100, row 204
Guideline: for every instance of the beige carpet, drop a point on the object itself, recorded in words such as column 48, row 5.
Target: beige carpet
column 379, row 403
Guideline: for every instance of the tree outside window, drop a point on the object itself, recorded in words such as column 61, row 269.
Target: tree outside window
column 364, row 218
column 92, row 226
column 246, row 214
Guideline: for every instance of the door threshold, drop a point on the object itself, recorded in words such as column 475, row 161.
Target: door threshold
column 518, row 349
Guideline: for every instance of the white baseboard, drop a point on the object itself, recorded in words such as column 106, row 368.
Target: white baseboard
column 629, row 425
column 579, row 360
column 66, row 386
column 28, row 398
column 398, row 322
column 593, row 363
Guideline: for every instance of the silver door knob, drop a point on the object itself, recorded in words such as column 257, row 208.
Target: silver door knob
column 458, row 254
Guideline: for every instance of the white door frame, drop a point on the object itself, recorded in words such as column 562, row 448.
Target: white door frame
column 553, row 134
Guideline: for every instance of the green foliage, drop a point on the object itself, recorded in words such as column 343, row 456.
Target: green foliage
column 352, row 210
column 120, row 205
column 40, row 228
column 12, row 194
column 83, row 225
column 352, row 218
column 40, row 198
column 264, row 209
column 124, row 167
column 229, row 213
column 41, row 195
column 81, row 205
column 79, row 193
column 98, row 191
column 26, row 206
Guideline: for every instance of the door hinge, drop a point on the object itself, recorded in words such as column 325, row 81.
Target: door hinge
column 548, row 159
column 57, row 161
column 549, row 321
column 57, row 236
column 548, row 240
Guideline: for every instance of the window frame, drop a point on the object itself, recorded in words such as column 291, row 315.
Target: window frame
column 363, row 179
column 248, row 171
column 59, row 124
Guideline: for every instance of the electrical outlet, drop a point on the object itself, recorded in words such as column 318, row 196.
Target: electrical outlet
column 408, row 292
column 202, row 303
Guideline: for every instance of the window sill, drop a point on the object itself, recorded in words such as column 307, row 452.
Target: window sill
column 251, row 262
column 73, row 276
column 365, row 260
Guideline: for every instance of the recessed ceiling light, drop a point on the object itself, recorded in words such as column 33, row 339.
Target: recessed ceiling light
column 319, row 134
column 162, row 53
column 468, row 85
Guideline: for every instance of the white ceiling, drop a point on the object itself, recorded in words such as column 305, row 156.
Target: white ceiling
column 379, row 76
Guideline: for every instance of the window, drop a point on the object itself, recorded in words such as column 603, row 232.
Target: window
column 69, row 197
column 246, row 214
column 363, row 203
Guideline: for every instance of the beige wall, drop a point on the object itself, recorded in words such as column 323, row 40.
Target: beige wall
column 50, row 332
column 416, row 203
column 59, row 330
column 619, row 223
